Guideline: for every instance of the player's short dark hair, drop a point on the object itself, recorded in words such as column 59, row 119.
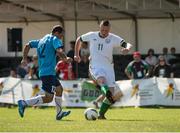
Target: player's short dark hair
column 58, row 28
column 105, row 23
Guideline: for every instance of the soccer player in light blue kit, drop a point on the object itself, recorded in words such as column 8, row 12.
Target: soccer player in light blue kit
column 47, row 48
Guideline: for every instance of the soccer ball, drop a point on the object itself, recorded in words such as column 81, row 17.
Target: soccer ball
column 90, row 114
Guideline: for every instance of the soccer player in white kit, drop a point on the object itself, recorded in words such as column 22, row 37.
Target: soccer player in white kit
column 101, row 60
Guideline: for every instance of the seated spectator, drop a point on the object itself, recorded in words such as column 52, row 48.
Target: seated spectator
column 138, row 68
column 71, row 54
column 21, row 71
column 173, row 51
column 71, row 51
column 84, row 49
column 166, row 54
column 83, row 67
column 33, row 72
column 13, row 73
column 162, row 69
column 64, row 70
column 151, row 59
column 172, row 56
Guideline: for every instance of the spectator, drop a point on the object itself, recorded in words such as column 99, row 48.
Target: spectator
column 29, row 64
column 71, row 51
column 84, row 49
column 138, row 68
column 165, row 54
column 13, row 73
column 64, row 70
column 71, row 54
column 173, row 50
column 172, row 56
column 175, row 62
column 21, row 71
column 151, row 59
column 33, row 72
column 162, row 69
column 83, row 67
column 165, row 51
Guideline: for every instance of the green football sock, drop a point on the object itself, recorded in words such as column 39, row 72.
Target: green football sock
column 104, row 107
column 104, row 89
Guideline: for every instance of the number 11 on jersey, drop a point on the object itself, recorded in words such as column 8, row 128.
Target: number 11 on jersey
column 100, row 47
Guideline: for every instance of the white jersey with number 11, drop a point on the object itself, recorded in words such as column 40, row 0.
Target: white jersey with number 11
column 101, row 49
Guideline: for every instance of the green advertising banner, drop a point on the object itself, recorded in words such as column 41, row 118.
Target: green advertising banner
column 89, row 91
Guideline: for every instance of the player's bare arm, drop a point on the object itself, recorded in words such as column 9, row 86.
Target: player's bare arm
column 77, row 49
column 25, row 54
column 62, row 55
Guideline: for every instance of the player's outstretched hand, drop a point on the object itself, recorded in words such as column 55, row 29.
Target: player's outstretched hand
column 127, row 49
column 77, row 58
column 129, row 46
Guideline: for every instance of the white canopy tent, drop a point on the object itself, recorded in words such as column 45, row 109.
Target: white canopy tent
column 144, row 23
column 53, row 10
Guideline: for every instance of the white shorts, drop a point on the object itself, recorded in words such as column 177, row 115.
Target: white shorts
column 107, row 73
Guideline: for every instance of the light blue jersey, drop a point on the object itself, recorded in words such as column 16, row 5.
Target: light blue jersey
column 46, row 51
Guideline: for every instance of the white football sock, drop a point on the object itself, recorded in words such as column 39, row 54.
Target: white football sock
column 34, row 101
column 58, row 102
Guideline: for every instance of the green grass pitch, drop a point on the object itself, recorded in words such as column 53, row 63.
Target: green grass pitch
column 118, row 120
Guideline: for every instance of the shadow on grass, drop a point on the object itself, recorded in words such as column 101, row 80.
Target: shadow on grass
column 129, row 120
column 64, row 120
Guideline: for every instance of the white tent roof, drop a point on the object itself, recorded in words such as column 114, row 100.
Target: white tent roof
column 53, row 10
